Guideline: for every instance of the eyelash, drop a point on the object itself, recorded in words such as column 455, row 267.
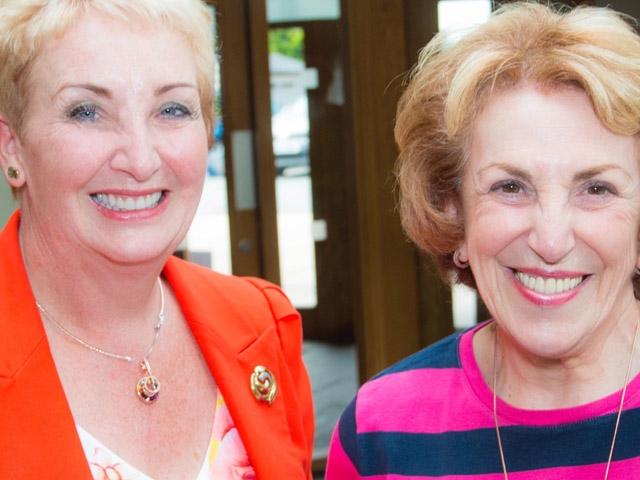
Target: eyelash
column 510, row 187
column 84, row 113
column 183, row 111
column 79, row 112
column 603, row 189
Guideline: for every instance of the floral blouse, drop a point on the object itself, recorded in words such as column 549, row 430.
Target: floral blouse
column 226, row 457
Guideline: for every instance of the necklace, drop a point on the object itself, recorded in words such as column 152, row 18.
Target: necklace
column 495, row 409
column 148, row 387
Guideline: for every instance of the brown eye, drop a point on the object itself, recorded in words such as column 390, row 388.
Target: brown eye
column 511, row 188
column 597, row 190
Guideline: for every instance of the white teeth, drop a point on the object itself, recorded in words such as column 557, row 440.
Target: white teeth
column 548, row 286
column 127, row 204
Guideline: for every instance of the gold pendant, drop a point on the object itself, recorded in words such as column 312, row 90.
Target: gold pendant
column 149, row 386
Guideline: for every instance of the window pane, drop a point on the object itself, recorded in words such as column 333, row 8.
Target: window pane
column 281, row 11
column 208, row 240
column 290, row 130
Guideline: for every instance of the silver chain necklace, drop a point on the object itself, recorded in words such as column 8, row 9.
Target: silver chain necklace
column 148, row 387
column 495, row 408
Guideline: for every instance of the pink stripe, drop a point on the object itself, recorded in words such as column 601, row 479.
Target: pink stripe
column 339, row 467
column 624, row 470
column 409, row 402
column 499, row 476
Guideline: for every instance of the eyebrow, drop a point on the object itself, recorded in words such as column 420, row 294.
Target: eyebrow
column 510, row 169
column 107, row 93
column 578, row 177
column 595, row 171
column 172, row 86
column 98, row 90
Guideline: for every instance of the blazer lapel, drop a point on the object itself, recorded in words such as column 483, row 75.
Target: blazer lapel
column 38, row 437
column 233, row 346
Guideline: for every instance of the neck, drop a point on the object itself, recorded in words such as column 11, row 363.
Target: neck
column 91, row 293
column 618, row 416
column 531, row 382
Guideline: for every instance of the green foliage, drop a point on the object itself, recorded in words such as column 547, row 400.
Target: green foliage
column 287, row 41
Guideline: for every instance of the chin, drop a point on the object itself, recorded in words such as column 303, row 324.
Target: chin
column 554, row 345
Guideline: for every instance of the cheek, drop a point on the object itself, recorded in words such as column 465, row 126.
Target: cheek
column 55, row 163
column 187, row 155
column 613, row 236
column 491, row 229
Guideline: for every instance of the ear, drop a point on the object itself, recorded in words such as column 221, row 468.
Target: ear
column 9, row 155
column 453, row 211
column 462, row 253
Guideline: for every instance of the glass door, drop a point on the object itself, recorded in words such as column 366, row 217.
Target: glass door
column 275, row 199
column 208, row 240
column 306, row 67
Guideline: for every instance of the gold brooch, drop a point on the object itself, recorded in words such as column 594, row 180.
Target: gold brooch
column 263, row 385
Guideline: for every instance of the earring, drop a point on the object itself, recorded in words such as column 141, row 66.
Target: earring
column 13, row 172
column 457, row 262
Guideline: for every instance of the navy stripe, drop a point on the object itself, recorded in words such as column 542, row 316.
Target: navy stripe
column 475, row 452
column 347, row 433
column 442, row 354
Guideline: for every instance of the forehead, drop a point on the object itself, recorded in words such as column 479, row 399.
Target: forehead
column 528, row 125
column 104, row 49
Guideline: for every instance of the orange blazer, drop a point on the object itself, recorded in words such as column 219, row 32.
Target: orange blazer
column 238, row 323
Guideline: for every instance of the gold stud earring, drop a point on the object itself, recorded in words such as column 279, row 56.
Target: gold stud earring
column 13, row 172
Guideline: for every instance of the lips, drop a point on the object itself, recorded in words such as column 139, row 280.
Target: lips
column 548, row 286
column 128, row 203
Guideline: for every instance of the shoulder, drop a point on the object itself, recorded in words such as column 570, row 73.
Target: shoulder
column 401, row 400
column 204, row 293
column 186, row 275
column 427, row 373
column 442, row 354
column 425, row 378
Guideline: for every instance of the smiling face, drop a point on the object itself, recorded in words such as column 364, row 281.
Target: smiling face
column 113, row 151
column 551, row 203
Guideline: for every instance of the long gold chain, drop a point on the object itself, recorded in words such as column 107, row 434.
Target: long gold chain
column 495, row 406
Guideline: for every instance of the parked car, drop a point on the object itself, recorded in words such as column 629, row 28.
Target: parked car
column 215, row 158
column 290, row 131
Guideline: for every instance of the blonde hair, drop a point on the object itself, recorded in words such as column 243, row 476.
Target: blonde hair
column 594, row 49
column 25, row 26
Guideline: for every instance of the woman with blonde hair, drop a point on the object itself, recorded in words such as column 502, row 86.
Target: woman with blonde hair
column 117, row 359
column 519, row 173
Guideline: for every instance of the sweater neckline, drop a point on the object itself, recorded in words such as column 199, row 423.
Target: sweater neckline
column 510, row 413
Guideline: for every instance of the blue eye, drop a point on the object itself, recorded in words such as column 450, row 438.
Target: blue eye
column 175, row 110
column 84, row 113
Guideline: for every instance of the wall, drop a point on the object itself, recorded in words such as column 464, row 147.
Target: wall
column 7, row 204
column 630, row 7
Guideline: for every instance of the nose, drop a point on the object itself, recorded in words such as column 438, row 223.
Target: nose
column 551, row 236
column 137, row 154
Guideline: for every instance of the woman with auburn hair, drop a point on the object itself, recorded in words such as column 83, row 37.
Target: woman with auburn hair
column 117, row 359
column 519, row 173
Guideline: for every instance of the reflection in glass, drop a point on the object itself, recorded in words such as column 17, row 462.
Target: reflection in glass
column 280, row 11
column 208, row 240
column 290, row 80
